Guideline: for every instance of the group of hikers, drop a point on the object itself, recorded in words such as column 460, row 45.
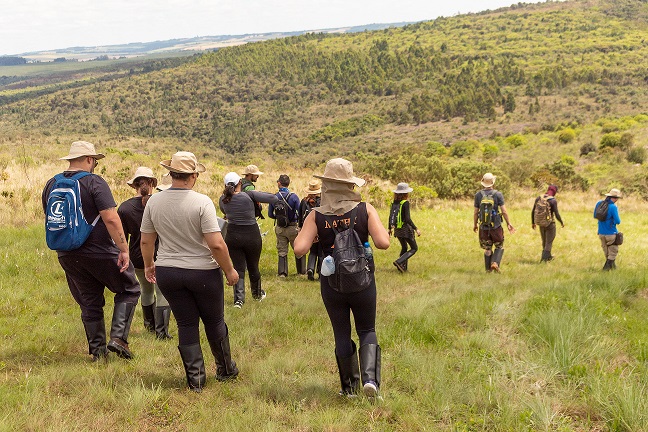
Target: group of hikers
column 172, row 249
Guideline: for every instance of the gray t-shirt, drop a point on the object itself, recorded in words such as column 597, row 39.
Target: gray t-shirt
column 180, row 217
column 240, row 209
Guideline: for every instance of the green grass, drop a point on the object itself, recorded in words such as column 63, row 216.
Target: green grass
column 558, row 346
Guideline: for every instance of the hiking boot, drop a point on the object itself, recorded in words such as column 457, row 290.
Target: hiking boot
column 238, row 304
column 399, row 266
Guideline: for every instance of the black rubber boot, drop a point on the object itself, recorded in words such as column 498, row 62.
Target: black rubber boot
column 149, row 317
column 487, row 262
column 239, row 290
column 609, row 265
column 162, row 316
column 402, row 260
column 613, row 265
column 96, row 336
column 121, row 323
column 496, row 260
column 300, row 263
column 282, row 267
column 349, row 373
column 194, row 365
column 370, row 369
column 257, row 292
column 311, row 267
column 225, row 367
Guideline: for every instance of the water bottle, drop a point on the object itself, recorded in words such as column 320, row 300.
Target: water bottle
column 368, row 251
column 328, row 266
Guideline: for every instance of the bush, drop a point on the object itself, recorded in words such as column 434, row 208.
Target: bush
column 567, row 135
column 516, row 140
column 587, row 148
column 490, row 151
column 610, row 140
column 626, row 141
column 464, row 148
column 434, row 148
column 636, row 155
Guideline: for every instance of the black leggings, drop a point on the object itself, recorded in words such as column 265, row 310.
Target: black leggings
column 194, row 295
column 244, row 244
column 339, row 306
column 405, row 241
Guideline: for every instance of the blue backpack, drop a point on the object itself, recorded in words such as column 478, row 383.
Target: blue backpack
column 65, row 226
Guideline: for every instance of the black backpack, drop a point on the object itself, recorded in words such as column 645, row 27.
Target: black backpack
column 281, row 211
column 601, row 211
column 352, row 268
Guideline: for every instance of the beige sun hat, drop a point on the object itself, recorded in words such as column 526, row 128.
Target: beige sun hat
column 82, row 148
column 251, row 169
column 614, row 193
column 183, row 162
column 341, row 171
column 142, row 172
column 402, row 188
column 166, row 182
column 488, row 180
column 314, row 187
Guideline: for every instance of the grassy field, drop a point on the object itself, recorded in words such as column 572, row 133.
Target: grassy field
column 558, row 346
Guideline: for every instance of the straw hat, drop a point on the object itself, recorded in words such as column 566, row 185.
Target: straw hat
column 614, row 193
column 314, row 187
column 251, row 169
column 341, row 171
column 166, row 182
column 488, row 180
column 142, row 172
column 232, row 179
column 183, row 162
column 82, row 148
column 402, row 188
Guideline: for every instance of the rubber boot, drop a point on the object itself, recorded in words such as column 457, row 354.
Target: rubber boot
column 613, row 265
column 487, row 262
column 349, row 373
column 402, row 260
column 257, row 293
column 225, row 367
column 239, row 290
column 149, row 317
column 194, row 366
column 300, row 263
column 312, row 263
column 496, row 260
column 370, row 369
column 282, row 268
column 609, row 265
column 121, row 323
column 96, row 336
column 162, row 316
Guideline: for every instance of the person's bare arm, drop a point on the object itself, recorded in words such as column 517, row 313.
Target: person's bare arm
column 506, row 218
column 147, row 245
column 306, row 236
column 114, row 226
column 475, row 219
column 377, row 231
column 220, row 253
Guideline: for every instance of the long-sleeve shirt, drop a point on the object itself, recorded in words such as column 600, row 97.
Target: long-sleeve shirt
column 553, row 205
column 608, row 227
column 240, row 209
column 293, row 202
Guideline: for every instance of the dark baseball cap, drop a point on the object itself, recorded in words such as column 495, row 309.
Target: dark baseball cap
column 284, row 179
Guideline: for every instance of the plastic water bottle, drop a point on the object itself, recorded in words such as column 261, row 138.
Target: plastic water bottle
column 328, row 266
column 368, row 251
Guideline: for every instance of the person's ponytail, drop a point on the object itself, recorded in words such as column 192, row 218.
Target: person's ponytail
column 228, row 193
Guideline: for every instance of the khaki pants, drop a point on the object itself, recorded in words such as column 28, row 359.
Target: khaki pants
column 609, row 249
column 284, row 236
column 548, row 235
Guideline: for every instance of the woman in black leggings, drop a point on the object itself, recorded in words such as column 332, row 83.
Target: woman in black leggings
column 243, row 237
column 339, row 202
column 400, row 222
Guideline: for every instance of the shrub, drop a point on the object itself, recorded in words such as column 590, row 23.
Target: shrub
column 567, row 135
column 611, row 140
column 636, row 155
column 435, row 148
column 463, row 148
column 515, row 140
column 490, row 151
column 587, row 148
column 626, row 141
column 519, row 171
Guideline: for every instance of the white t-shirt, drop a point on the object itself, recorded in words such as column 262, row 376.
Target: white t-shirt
column 180, row 217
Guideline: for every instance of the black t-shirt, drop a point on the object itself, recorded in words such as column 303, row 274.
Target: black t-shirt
column 131, row 212
column 95, row 197
column 327, row 235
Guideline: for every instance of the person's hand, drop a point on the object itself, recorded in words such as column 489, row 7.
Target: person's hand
column 511, row 229
column 562, row 225
column 533, row 226
column 389, row 232
column 123, row 261
column 149, row 274
column 475, row 228
column 418, row 232
column 232, row 277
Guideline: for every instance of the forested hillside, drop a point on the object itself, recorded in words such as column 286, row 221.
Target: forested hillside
column 550, row 92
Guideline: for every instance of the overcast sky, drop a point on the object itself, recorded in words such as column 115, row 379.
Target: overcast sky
column 36, row 25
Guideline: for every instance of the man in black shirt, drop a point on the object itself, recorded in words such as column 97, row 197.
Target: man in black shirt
column 102, row 261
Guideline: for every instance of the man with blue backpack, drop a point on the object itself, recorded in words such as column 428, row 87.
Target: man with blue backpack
column 285, row 212
column 83, row 226
column 607, row 213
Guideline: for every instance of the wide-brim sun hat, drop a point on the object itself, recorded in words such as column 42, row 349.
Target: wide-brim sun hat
column 232, row 179
column 314, row 187
column 183, row 162
column 488, row 180
column 141, row 172
column 166, row 182
column 614, row 193
column 341, row 171
column 82, row 148
column 402, row 188
column 251, row 169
